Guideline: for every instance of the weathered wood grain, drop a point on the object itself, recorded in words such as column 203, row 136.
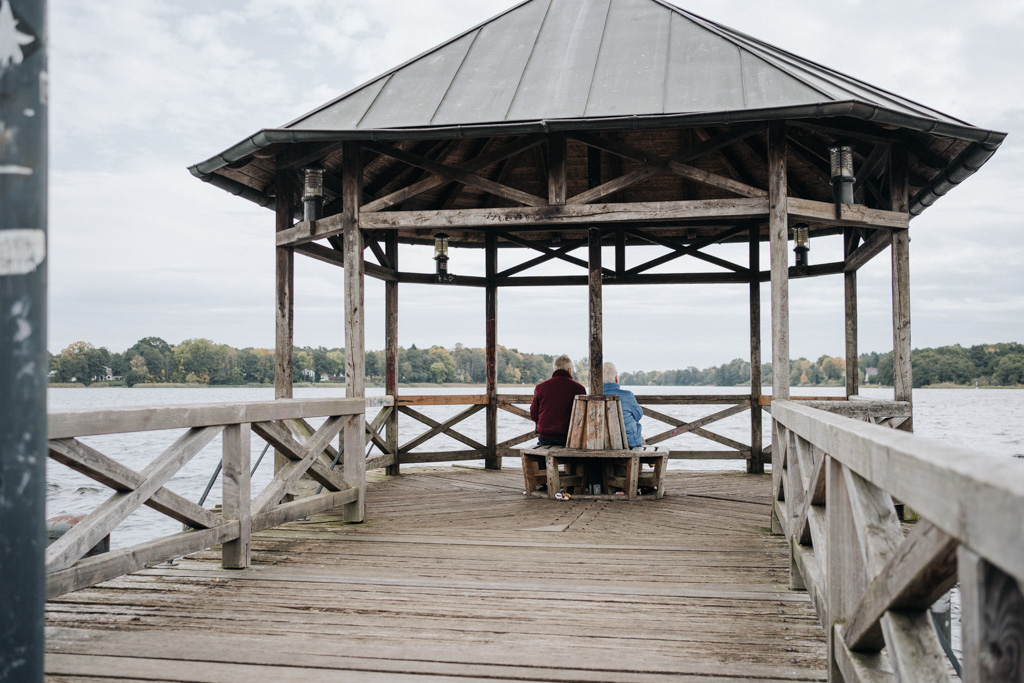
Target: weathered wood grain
column 70, row 424
column 438, row 587
column 236, row 494
column 88, row 461
column 66, row 550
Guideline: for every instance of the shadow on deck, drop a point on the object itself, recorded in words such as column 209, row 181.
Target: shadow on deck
column 457, row 575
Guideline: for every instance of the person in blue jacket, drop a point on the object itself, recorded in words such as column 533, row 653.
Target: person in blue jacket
column 631, row 410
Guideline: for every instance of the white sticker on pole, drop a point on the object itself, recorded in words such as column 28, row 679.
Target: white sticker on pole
column 21, row 251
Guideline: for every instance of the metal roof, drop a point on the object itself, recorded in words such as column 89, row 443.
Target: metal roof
column 571, row 65
column 582, row 59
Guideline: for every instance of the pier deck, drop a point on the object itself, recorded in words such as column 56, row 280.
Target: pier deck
column 456, row 575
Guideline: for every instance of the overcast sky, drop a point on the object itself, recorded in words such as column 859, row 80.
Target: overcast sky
column 138, row 247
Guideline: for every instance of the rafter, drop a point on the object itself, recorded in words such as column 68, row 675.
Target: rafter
column 679, row 249
column 477, row 164
column 657, row 164
column 455, row 174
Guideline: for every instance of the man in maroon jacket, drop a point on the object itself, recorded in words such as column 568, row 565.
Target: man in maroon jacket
column 552, row 404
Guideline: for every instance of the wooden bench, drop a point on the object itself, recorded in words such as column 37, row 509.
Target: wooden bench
column 573, row 470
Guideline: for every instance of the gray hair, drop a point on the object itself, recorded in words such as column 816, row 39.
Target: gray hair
column 610, row 372
column 563, row 362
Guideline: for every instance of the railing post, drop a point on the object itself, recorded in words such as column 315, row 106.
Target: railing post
column 843, row 560
column 993, row 621
column 236, row 498
column 23, row 359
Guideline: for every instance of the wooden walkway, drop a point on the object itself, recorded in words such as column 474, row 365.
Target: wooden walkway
column 457, row 575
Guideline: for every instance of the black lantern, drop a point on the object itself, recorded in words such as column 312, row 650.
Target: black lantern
column 441, row 256
column 802, row 240
column 841, row 161
column 312, row 193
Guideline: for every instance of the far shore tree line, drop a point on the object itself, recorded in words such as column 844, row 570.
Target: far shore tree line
column 152, row 360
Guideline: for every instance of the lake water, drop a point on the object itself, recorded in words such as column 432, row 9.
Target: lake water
column 986, row 420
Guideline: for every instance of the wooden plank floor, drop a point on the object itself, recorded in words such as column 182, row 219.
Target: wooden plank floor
column 457, row 575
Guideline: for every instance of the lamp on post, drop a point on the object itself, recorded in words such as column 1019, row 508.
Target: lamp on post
column 312, row 193
column 841, row 160
column 802, row 240
column 441, row 256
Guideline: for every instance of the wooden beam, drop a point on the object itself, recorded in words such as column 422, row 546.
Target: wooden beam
column 778, row 229
column 391, row 352
column 556, row 169
column 441, row 428
column 93, row 570
column 850, row 215
column 903, row 380
column 527, row 217
column 337, row 258
column 86, row 460
column 354, row 464
column 921, row 571
column 236, row 497
column 284, row 294
column 453, row 174
column 302, row 458
column 993, row 621
column 874, row 245
column 850, row 305
column 370, row 240
column 280, row 437
column 155, row 418
column 562, row 253
column 756, row 464
column 491, row 458
column 657, row 164
column 477, row 164
column 688, row 250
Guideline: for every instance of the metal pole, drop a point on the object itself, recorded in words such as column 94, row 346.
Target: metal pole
column 23, row 358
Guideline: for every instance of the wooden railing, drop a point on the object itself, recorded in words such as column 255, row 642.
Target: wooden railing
column 283, row 424
column 518, row 404
column 870, row 579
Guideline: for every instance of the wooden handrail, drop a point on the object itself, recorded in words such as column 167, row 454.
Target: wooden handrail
column 835, row 479
column 281, row 423
column 68, row 424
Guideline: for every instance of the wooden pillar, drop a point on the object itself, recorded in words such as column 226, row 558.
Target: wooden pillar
column 993, row 621
column 903, row 378
column 850, row 286
column 284, row 373
column 756, row 464
column 236, row 495
column 778, row 231
column 620, row 251
column 492, row 459
column 391, row 350
column 354, row 436
column 596, row 294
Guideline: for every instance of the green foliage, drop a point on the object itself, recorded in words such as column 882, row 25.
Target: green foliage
column 153, row 360
column 80, row 362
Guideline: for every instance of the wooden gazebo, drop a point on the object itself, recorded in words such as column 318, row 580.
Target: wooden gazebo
column 564, row 125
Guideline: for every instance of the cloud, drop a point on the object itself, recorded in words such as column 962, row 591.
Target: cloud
column 141, row 90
